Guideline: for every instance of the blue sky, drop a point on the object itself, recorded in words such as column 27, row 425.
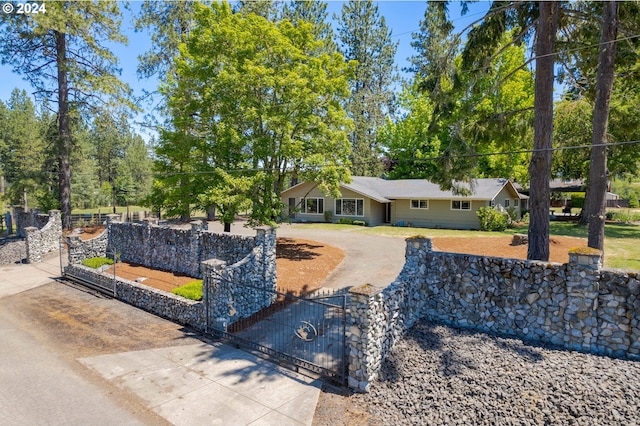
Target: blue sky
column 403, row 17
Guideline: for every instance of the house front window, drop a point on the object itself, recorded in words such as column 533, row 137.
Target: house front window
column 506, row 204
column 350, row 207
column 460, row 205
column 419, row 204
column 516, row 203
column 313, row 205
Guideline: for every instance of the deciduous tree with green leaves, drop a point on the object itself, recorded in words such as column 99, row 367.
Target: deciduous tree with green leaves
column 250, row 98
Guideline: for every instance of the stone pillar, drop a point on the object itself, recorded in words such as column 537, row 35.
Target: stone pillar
column 365, row 348
column 217, row 296
column 581, row 323
column 33, row 241
column 74, row 252
column 195, row 242
column 8, row 223
column 266, row 238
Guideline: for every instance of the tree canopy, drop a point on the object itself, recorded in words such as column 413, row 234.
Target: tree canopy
column 249, row 99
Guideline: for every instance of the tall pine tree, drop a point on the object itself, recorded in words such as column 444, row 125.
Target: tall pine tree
column 63, row 53
column 364, row 37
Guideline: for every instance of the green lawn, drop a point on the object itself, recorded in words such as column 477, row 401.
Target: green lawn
column 109, row 209
column 622, row 241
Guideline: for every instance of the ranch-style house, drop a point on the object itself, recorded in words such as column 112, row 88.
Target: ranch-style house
column 402, row 202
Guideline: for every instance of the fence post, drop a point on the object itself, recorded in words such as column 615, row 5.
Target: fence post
column 364, row 347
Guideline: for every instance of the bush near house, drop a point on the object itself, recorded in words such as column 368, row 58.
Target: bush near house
column 492, row 220
column 192, row 290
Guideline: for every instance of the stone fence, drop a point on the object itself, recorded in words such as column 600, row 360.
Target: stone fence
column 172, row 249
column 229, row 281
column 576, row 306
column 43, row 240
column 229, row 302
column 25, row 219
column 161, row 303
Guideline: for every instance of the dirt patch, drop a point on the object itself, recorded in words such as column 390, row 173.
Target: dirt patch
column 501, row 247
column 162, row 280
column 88, row 232
column 301, row 266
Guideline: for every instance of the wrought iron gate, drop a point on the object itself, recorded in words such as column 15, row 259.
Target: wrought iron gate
column 305, row 332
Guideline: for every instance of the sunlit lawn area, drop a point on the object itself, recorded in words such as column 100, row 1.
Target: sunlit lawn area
column 622, row 241
column 109, row 209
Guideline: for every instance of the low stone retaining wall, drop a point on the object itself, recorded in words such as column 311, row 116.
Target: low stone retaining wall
column 576, row 305
column 166, row 305
column 41, row 241
column 12, row 251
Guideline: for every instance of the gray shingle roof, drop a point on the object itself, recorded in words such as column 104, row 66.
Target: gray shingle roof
column 383, row 190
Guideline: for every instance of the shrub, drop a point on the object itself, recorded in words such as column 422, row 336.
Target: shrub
column 492, row 220
column 633, row 200
column 360, row 222
column 345, row 221
column 328, row 216
column 96, row 262
column 191, row 290
column 577, row 200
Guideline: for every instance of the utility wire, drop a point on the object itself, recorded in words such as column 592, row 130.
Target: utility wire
column 413, row 160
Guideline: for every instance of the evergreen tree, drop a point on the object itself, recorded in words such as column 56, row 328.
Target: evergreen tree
column 63, row 54
column 314, row 12
column 364, row 37
column 25, row 151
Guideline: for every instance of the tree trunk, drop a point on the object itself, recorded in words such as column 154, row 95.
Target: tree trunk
column 540, row 165
column 598, row 173
column 64, row 133
column 227, row 227
column 211, row 213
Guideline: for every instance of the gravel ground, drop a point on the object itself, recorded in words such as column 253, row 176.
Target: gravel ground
column 446, row 376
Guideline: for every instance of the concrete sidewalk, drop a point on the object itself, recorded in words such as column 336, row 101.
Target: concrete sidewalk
column 192, row 384
column 17, row 277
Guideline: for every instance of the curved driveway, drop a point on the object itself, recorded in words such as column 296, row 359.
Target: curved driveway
column 369, row 259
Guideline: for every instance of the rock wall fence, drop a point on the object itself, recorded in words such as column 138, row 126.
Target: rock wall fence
column 172, row 249
column 577, row 306
column 166, row 305
column 234, row 283
column 237, row 291
column 24, row 219
column 43, row 239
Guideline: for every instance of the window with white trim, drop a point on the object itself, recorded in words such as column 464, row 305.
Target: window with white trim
column 313, row 206
column 419, row 204
column 349, row 207
column 460, row 205
column 516, row 203
column 507, row 203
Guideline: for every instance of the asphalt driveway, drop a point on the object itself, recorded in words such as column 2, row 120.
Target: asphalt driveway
column 369, row 259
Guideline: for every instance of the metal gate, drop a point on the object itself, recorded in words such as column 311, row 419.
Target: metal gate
column 301, row 332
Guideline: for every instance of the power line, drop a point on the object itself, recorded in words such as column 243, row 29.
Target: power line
column 413, row 160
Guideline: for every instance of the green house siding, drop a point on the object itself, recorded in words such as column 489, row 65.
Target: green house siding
column 438, row 215
column 373, row 211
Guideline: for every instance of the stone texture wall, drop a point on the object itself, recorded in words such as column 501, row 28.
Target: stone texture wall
column 178, row 250
column 231, row 285
column 237, row 291
column 24, row 219
column 12, row 251
column 79, row 249
column 576, row 305
column 43, row 240
column 163, row 304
